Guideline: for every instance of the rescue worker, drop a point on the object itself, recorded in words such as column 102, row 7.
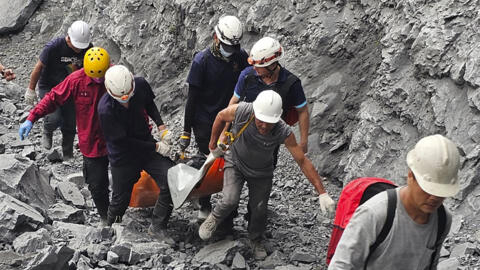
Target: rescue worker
column 411, row 243
column 267, row 73
column 131, row 146
column 84, row 87
column 7, row 73
column 250, row 159
column 211, row 80
column 60, row 57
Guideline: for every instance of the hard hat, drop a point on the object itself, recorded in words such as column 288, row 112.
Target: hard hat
column 95, row 62
column 268, row 106
column 435, row 162
column 229, row 31
column 265, row 52
column 79, row 33
column 119, row 83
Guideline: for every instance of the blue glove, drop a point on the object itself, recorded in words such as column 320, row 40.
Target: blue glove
column 25, row 129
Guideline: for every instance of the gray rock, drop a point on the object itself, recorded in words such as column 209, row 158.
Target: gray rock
column 16, row 215
column 10, row 258
column 112, row 257
column 301, row 256
column 273, row 260
column 53, row 257
column 457, row 221
column 216, row 252
column 83, row 263
column 463, row 250
column 76, row 178
column 66, row 213
column 20, row 178
column 78, row 236
column 123, row 252
column 70, row 193
column 448, row 264
column 143, row 251
column 32, row 241
column 54, row 156
column 239, row 262
column 8, row 107
column 15, row 14
column 293, row 267
column 97, row 252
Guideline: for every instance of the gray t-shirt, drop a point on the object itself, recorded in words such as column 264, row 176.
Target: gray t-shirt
column 252, row 152
column 409, row 245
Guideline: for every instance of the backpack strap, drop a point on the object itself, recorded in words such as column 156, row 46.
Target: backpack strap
column 391, row 209
column 283, row 90
column 442, row 223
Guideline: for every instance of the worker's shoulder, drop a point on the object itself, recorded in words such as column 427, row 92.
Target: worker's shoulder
column 104, row 104
column 200, row 56
column 55, row 43
column 77, row 75
column 376, row 205
column 247, row 71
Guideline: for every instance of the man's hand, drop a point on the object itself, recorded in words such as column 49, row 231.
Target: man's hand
column 165, row 134
column 184, row 140
column 24, row 129
column 163, row 149
column 8, row 74
column 327, row 205
column 30, row 97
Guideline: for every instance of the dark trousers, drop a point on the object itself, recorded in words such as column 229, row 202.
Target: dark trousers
column 124, row 177
column 63, row 117
column 95, row 172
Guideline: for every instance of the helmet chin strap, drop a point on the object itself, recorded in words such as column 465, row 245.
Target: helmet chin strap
column 271, row 72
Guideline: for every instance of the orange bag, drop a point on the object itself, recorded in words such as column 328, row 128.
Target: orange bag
column 145, row 191
column 212, row 182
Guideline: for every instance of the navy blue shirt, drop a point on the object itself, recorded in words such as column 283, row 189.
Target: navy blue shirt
column 59, row 61
column 126, row 131
column 214, row 79
column 295, row 96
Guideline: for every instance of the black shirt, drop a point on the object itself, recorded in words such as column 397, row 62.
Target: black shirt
column 126, row 130
column 59, row 61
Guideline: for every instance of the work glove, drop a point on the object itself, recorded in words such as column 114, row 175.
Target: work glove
column 327, row 205
column 184, row 140
column 166, row 136
column 163, row 149
column 219, row 151
column 25, row 129
column 30, row 97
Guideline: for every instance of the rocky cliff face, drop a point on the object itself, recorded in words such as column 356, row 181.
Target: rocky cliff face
column 378, row 75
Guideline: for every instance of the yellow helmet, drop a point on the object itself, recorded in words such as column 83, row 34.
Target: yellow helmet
column 95, row 62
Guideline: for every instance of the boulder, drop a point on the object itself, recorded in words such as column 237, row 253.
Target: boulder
column 66, row 213
column 16, row 216
column 216, row 252
column 20, row 178
column 70, row 193
column 32, row 241
column 15, row 14
column 51, row 258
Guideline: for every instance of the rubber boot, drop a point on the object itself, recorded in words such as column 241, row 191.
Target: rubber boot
column 67, row 145
column 47, row 140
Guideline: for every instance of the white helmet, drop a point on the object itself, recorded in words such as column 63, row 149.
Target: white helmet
column 435, row 162
column 79, row 33
column 120, row 83
column 268, row 106
column 265, row 52
column 229, row 30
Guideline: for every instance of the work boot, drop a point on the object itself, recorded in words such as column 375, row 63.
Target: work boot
column 113, row 219
column 160, row 234
column 258, row 250
column 208, row 227
column 47, row 140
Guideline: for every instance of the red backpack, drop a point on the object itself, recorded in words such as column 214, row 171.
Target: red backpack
column 353, row 194
column 359, row 191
